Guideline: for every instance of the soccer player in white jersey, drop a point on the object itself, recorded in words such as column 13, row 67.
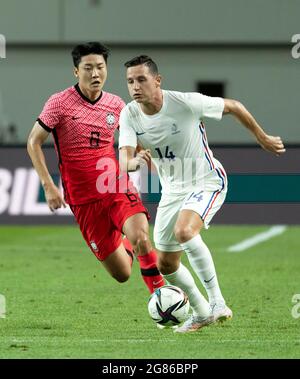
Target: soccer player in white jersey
column 169, row 127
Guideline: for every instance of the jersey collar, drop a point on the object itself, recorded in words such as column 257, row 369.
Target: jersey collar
column 86, row 98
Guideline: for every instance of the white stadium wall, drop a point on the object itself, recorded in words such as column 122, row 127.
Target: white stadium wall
column 141, row 21
column 246, row 45
column 266, row 80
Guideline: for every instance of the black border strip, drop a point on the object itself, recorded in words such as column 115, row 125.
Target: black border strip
column 150, row 271
column 54, row 132
column 44, row 126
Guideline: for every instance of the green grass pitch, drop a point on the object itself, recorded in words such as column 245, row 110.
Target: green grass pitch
column 61, row 303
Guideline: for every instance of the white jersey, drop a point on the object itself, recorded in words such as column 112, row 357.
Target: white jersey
column 177, row 140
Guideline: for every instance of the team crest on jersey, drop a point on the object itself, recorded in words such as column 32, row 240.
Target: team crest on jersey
column 94, row 246
column 175, row 129
column 110, row 119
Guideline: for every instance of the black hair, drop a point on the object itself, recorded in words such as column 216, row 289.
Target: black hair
column 143, row 59
column 81, row 50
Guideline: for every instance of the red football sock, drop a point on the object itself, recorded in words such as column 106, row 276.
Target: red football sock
column 128, row 248
column 152, row 277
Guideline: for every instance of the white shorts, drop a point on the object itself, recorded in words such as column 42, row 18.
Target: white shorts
column 205, row 203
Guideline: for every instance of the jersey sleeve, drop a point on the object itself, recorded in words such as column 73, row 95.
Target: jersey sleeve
column 50, row 115
column 127, row 134
column 205, row 106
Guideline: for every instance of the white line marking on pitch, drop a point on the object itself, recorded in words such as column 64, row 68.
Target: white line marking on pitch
column 258, row 238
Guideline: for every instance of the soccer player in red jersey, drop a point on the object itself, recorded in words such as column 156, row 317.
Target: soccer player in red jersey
column 82, row 120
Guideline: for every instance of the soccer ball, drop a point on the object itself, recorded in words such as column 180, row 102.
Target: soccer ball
column 168, row 305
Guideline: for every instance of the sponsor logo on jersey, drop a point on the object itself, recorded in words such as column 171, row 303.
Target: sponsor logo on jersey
column 110, row 119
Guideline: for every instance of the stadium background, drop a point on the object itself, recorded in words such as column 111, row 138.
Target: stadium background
column 234, row 48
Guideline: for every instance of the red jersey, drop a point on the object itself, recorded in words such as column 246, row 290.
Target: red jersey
column 83, row 132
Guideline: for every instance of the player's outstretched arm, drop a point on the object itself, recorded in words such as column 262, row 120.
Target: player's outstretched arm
column 131, row 162
column 35, row 141
column 267, row 142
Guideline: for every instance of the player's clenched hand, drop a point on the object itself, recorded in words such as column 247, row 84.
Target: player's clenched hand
column 54, row 198
column 143, row 157
column 272, row 144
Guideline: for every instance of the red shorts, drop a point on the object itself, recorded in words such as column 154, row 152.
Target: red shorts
column 101, row 222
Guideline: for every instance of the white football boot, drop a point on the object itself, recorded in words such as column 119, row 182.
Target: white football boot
column 194, row 323
column 221, row 312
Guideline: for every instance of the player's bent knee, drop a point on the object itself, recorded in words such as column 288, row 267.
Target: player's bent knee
column 121, row 277
column 184, row 233
column 141, row 241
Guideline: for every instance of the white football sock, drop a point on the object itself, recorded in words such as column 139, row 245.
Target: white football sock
column 183, row 279
column 202, row 263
